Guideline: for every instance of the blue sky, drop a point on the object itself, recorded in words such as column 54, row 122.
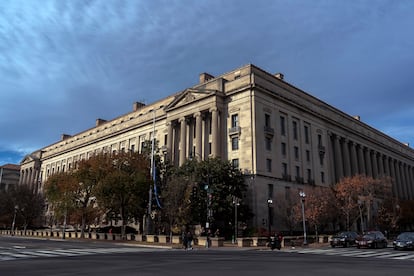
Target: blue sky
column 65, row 63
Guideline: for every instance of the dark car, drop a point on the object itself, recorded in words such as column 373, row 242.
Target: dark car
column 372, row 239
column 344, row 239
column 404, row 240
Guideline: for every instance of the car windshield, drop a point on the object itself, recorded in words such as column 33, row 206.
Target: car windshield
column 406, row 236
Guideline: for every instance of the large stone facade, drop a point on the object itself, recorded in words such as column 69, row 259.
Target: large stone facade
column 282, row 138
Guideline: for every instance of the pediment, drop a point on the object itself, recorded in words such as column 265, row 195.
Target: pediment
column 34, row 156
column 188, row 96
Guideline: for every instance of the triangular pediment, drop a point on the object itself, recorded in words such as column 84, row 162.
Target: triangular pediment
column 188, row 96
column 34, row 156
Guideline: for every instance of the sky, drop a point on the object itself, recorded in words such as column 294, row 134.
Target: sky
column 63, row 64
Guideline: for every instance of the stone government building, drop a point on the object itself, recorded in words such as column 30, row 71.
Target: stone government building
column 283, row 138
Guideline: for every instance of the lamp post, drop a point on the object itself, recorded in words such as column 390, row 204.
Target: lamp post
column 269, row 212
column 236, row 203
column 360, row 204
column 302, row 200
column 14, row 219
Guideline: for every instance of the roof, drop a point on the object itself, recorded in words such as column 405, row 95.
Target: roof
column 11, row 167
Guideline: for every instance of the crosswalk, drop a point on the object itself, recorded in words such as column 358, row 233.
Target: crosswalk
column 8, row 255
column 358, row 253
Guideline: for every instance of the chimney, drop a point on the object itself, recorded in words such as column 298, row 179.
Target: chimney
column 205, row 77
column 138, row 105
column 280, row 76
column 99, row 122
column 65, row 136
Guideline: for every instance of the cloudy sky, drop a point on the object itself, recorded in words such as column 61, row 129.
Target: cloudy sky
column 65, row 63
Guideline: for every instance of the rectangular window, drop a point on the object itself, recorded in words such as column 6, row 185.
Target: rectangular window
column 268, row 143
column 269, row 165
column 284, row 170
column 306, row 130
column 319, row 140
column 296, row 151
column 287, row 193
column 322, row 177
column 235, row 163
column 165, row 139
column 270, row 190
column 321, row 159
column 235, row 120
column 295, row 130
column 297, row 169
column 282, row 126
column 307, row 155
column 133, row 148
column 235, row 143
column 283, row 149
column 309, row 175
column 209, row 148
column 267, row 120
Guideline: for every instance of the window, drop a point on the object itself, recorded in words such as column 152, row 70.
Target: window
column 309, row 175
column 165, row 139
column 321, row 159
column 282, row 126
column 235, row 143
column 296, row 150
column 209, row 148
column 283, row 148
column 322, row 177
column 133, row 148
column 306, row 130
column 267, row 120
column 235, row 163
column 284, row 170
column 235, row 120
column 269, row 165
column 270, row 190
column 297, row 169
column 287, row 193
column 295, row 130
column 307, row 155
column 319, row 140
column 268, row 143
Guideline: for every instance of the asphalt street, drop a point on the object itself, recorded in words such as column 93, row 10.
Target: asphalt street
column 48, row 257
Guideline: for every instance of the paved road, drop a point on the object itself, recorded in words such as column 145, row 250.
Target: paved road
column 33, row 257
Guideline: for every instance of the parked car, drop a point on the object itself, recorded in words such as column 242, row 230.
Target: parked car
column 372, row 239
column 344, row 239
column 404, row 240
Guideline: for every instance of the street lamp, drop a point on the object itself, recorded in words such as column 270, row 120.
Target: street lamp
column 269, row 212
column 302, row 200
column 236, row 203
column 16, row 207
column 360, row 204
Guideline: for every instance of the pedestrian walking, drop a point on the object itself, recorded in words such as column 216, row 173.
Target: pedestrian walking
column 189, row 240
column 184, row 240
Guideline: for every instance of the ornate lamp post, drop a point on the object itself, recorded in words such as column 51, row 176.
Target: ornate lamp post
column 269, row 212
column 302, row 200
column 16, row 207
column 236, row 203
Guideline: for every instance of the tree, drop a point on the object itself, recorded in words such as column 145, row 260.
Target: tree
column 356, row 196
column 60, row 190
column 88, row 174
column 123, row 189
column 212, row 185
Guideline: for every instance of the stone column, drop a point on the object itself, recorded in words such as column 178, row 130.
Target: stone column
column 367, row 154
column 215, row 141
column 354, row 163
column 374, row 164
column 361, row 162
column 183, row 136
column 169, row 140
column 381, row 165
column 198, row 141
column 338, row 159
column 347, row 162
column 410, row 182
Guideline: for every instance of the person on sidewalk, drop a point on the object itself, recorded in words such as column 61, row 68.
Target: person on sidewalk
column 189, row 240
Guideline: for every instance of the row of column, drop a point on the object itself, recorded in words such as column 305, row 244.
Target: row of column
column 31, row 177
column 351, row 158
column 193, row 131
